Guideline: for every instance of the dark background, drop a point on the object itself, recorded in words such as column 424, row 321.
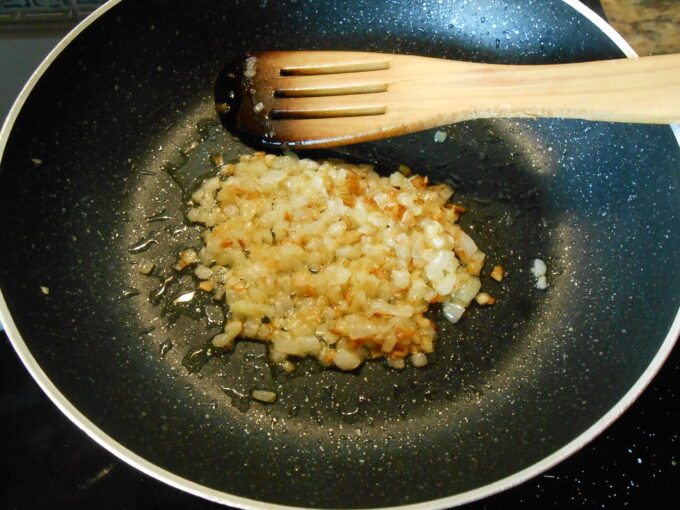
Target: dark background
column 49, row 463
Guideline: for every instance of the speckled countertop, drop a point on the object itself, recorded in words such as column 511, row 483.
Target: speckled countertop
column 650, row 26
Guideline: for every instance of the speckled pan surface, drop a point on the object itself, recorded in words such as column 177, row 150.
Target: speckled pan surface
column 121, row 125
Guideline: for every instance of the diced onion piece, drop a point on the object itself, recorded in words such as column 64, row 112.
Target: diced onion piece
column 468, row 289
column 401, row 279
column 538, row 268
column 278, row 356
column 206, row 285
column 497, row 273
column 465, row 246
column 452, row 311
column 443, row 261
column 186, row 258
column 250, row 328
column 248, row 308
column 203, row 272
column 397, row 363
column 381, row 306
column 418, row 359
column 288, row 366
column 231, row 331
column 346, row 360
column 404, row 170
column 145, row 267
column 268, row 397
column 251, row 67
column 445, row 285
column 484, row 299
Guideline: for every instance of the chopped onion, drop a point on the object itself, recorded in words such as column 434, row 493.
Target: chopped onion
column 497, row 273
column 467, row 291
column 329, row 259
column 401, row 279
column 251, row 67
column 268, row 397
column 397, row 363
column 145, row 267
column 231, row 331
column 538, row 268
column 203, row 272
column 418, row 359
column 346, row 360
column 288, row 366
column 452, row 311
column 484, row 298
column 445, row 285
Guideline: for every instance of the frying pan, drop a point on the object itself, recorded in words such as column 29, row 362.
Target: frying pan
column 117, row 126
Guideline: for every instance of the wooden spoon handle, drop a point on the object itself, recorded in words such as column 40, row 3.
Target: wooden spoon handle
column 641, row 90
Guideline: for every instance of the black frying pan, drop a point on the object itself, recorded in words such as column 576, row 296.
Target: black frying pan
column 118, row 129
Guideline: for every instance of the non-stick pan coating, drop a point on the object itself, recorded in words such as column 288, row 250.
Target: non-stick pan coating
column 93, row 180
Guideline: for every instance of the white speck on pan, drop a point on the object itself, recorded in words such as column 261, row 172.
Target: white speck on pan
column 440, row 136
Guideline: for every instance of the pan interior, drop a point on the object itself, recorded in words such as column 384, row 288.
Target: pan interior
column 98, row 186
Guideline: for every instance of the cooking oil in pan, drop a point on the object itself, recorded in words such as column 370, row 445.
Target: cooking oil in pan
column 200, row 158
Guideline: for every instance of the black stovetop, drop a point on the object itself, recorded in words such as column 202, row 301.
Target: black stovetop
column 50, row 464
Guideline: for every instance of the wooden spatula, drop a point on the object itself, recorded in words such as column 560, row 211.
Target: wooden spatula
column 311, row 99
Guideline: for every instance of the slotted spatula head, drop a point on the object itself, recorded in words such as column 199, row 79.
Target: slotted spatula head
column 302, row 99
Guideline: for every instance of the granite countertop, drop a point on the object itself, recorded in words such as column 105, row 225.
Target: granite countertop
column 650, row 26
